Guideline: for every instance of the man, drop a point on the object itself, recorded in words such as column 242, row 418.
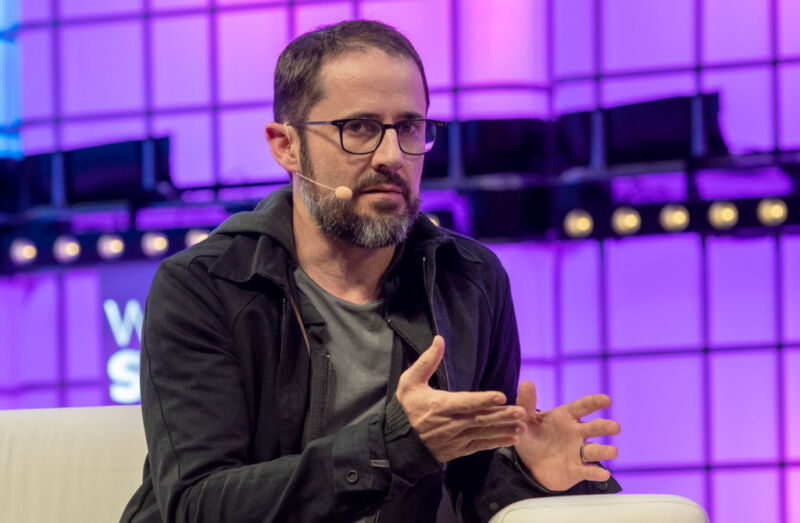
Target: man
column 294, row 364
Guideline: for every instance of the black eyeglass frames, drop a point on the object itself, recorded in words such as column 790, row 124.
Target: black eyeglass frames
column 364, row 135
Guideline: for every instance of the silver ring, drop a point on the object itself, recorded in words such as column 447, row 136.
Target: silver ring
column 583, row 458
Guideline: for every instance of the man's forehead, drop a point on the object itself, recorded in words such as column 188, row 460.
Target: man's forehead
column 370, row 75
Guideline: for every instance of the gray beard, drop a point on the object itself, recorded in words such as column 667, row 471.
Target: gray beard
column 339, row 220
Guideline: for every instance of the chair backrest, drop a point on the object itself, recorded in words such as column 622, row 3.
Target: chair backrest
column 604, row 508
column 70, row 465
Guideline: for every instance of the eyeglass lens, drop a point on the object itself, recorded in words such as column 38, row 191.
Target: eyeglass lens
column 364, row 136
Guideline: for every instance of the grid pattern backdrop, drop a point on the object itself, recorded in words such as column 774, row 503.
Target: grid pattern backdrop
column 697, row 338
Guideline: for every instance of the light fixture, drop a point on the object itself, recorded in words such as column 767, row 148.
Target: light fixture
column 195, row 236
column 110, row 246
column 66, row 249
column 578, row 223
column 626, row 221
column 723, row 215
column 23, row 251
column 772, row 211
column 674, row 218
column 154, row 244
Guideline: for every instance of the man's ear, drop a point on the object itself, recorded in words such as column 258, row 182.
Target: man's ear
column 284, row 145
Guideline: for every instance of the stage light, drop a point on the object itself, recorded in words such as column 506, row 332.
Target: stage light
column 110, row 246
column 578, row 223
column 723, row 215
column 195, row 236
column 154, row 244
column 772, row 211
column 23, row 251
column 626, row 221
column 66, row 249
column 674, row 218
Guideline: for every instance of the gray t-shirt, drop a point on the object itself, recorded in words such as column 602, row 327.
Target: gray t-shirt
column 359, row 342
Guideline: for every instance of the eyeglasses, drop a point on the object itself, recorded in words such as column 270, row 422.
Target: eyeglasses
column 364, row 135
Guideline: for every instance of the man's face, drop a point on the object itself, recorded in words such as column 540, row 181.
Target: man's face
column 385, row 184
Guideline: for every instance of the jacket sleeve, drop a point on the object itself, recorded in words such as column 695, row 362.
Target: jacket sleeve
column 482, row 484
column 198, row 426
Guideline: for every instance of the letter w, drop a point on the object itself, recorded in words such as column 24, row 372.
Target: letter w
column 122, row 326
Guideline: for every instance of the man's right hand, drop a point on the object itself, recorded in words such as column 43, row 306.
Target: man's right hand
column 456, row 424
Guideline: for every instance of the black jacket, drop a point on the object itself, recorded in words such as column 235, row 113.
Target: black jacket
column 232, row 396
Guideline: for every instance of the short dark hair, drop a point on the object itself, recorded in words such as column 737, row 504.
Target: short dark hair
column 297, row 85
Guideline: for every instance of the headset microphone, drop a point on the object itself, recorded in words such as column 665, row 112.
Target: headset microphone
column 341, row 192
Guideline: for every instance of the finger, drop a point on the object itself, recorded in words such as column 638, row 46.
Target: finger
column 596, row 452
column 493, row 431
column 499, row 414
column 600, row 427
column 425, row 366
column 472, row 402
column 477, row 445
column 595, row 473
column 526, row 397
column 588, row 404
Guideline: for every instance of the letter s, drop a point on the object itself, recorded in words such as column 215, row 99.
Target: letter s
column 123, row 369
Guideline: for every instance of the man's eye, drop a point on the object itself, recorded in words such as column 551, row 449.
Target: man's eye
column 358, row 127
column 410, row 128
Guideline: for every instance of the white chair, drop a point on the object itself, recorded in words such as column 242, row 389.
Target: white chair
column 81, row 465
column 70, row 465
column 603, row 508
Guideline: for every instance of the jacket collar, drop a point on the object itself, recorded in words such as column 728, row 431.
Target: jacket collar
column 263, row 241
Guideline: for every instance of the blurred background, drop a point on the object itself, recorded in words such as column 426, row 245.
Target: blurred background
column 634, row 163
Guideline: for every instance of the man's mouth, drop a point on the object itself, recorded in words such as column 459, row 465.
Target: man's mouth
column 383, row 189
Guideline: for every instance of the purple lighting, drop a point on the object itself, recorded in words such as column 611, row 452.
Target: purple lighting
column 656, row 400
column 696, row 338
column 574, row 33
column 660, row 37
column 530, row 268
column 742, row 291
column 247, row 53
column 430, row 33
column 180, row 58
column 580, row 327
column 746, row 495
column 495, row 48
column 735, row 33
column 102, row 67
column 743, row 396
column 36, row 73
column 654, row 292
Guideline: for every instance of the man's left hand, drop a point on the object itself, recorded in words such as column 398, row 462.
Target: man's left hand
column 551, row 446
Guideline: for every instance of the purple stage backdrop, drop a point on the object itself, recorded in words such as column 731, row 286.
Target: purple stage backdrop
column 696, row 338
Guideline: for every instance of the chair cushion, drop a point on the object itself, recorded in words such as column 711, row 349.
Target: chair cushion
column 605, row 508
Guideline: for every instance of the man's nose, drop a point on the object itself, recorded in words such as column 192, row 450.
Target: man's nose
column 388, row 155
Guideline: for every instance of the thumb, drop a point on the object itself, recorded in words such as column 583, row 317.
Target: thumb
column 422, row 369
column 526, row 397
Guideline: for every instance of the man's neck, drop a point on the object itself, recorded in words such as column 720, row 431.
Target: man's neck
column 350, row 273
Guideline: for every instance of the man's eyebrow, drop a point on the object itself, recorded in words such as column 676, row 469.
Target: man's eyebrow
column 375, row 116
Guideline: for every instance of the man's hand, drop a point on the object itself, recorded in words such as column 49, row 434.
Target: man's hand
column 455, row 424
column 551, row 447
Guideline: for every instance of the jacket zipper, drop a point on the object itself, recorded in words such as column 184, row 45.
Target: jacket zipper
column 441, row 371
column 326, row 393
column 284, row 328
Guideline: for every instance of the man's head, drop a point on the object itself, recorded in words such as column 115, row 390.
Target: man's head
column 353, row 70
column 297, row 74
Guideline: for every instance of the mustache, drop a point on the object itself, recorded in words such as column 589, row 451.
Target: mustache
column 377, row 178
